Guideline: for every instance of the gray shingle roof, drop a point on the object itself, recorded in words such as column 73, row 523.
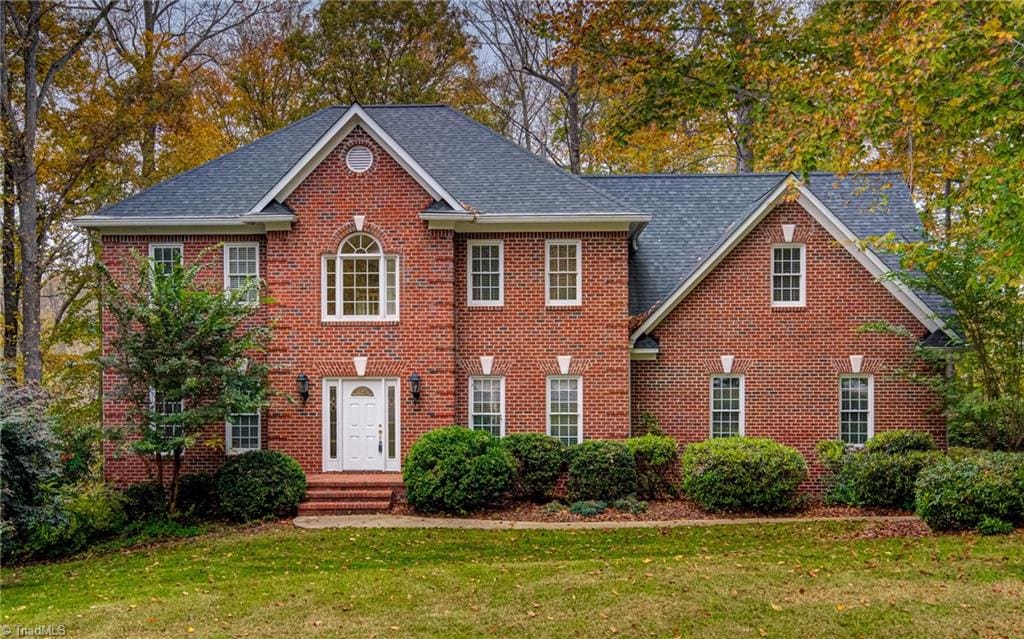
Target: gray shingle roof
column 484, row 171
column 693, row 213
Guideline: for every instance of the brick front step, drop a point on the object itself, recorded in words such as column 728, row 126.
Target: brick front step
column 348, row 494
column 343, row 507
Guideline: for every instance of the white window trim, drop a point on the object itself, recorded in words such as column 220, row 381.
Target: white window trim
column 578, row 301
column 803, row 275
column 579, row 403
column 152, row 407
column 501, row 391
column 743, row 402
column 871, row 405
column 178, row 245
column 383, row 316
column 227, row 435
column 227, row 252
column 501, row 273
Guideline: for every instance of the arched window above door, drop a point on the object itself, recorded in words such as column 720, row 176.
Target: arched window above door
column 360, row 282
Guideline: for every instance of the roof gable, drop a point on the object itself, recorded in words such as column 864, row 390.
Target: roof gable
column 739, row 226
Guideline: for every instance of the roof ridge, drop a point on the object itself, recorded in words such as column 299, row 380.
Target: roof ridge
column 178, row 176
column 542, row 161
column 732, row 174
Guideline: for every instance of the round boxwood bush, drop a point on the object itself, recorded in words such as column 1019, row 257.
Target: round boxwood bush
column 539, row 459
column 601, row 470
column 743, row 473
column 456, row 470
column 197, row 495
column 958, row 494
column 656, row 457
column 144, row 501
column 260, row 484
column 895, row 442
column 874, row 476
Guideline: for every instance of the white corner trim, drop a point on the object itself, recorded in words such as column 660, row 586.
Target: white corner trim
column 727, row 361
column 831, row 223
column 787, row 232
column 360, row 364
column 353, row 116
column 564, row 362
column 359, row 221
column 856, row 363
column 486, row 364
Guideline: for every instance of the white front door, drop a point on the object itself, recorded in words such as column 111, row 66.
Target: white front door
column 363, row 425
column 361, row 429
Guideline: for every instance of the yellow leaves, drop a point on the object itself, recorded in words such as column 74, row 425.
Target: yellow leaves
column 776, row 607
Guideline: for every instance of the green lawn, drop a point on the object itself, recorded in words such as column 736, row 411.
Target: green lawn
column 784, row 580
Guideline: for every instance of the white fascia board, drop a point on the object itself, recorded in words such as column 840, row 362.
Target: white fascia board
column 183, row 225
column 832, row 224
column 713, row 260
column 353, row 116
column 567, row 218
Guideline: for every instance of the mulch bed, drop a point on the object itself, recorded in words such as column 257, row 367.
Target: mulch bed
column 659, row 510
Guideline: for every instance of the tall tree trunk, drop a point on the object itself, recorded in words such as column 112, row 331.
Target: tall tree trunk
column 28, row 231
column 12, row 286
column 573, row 126
column 744, row 133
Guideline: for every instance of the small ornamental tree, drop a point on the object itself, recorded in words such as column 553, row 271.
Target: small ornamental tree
column 186, row 355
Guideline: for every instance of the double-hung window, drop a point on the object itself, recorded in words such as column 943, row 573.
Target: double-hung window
column 565, row 409
column 360, row 282
column 241, row 268
column 169, row 428
column 856, row 408
column 727, row 405
column 243, row 432
column 563, row 269
column 484, row 261
column 789, row 284
column 487, row 404
column 164, row 257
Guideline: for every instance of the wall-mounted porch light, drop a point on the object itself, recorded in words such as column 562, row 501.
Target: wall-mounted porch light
column 415, row 386
column 303, row 386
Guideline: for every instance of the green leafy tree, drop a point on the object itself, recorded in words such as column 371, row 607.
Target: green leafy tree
column 187, row 353
column 387, row 52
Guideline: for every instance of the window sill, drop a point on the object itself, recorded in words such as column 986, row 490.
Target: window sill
column 485, row 307
column 231, row 452
column 359, row 322
column 564, row 307
column 788, row 309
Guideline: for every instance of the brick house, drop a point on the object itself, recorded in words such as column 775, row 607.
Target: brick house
column 425, row 271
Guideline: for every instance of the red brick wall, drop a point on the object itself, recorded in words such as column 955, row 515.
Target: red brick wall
column 791, row 357
column 121, row 466
column 525, row 336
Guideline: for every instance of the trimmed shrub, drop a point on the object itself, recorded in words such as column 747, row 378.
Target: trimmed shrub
column 260, row 484
column 871, row 476
column 144, row 501
column 601, row 470
column 957, row 494
column 588, row 508
column 655, row 456
column 197, row 496
column 539, row 459
column 743, row 473
column 630, row 505
column 553, row 507
column 457, row 470
column 993, row 526
column 895, row 442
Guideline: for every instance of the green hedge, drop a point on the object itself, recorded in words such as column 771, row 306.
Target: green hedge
column 145, row 500
column 743, row 473
column 539, row 459
column 601, row 470
column 457, row 470
column 260, row 484
column 882, row 474
column 958, row 494
column 656, row 457
column 84, row 515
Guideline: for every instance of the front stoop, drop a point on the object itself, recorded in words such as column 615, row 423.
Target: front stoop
column 351, row 493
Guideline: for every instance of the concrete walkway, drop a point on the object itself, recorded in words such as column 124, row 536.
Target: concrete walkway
column 402, row 521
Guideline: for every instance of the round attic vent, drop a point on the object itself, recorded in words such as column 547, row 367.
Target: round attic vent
column 359, row 159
